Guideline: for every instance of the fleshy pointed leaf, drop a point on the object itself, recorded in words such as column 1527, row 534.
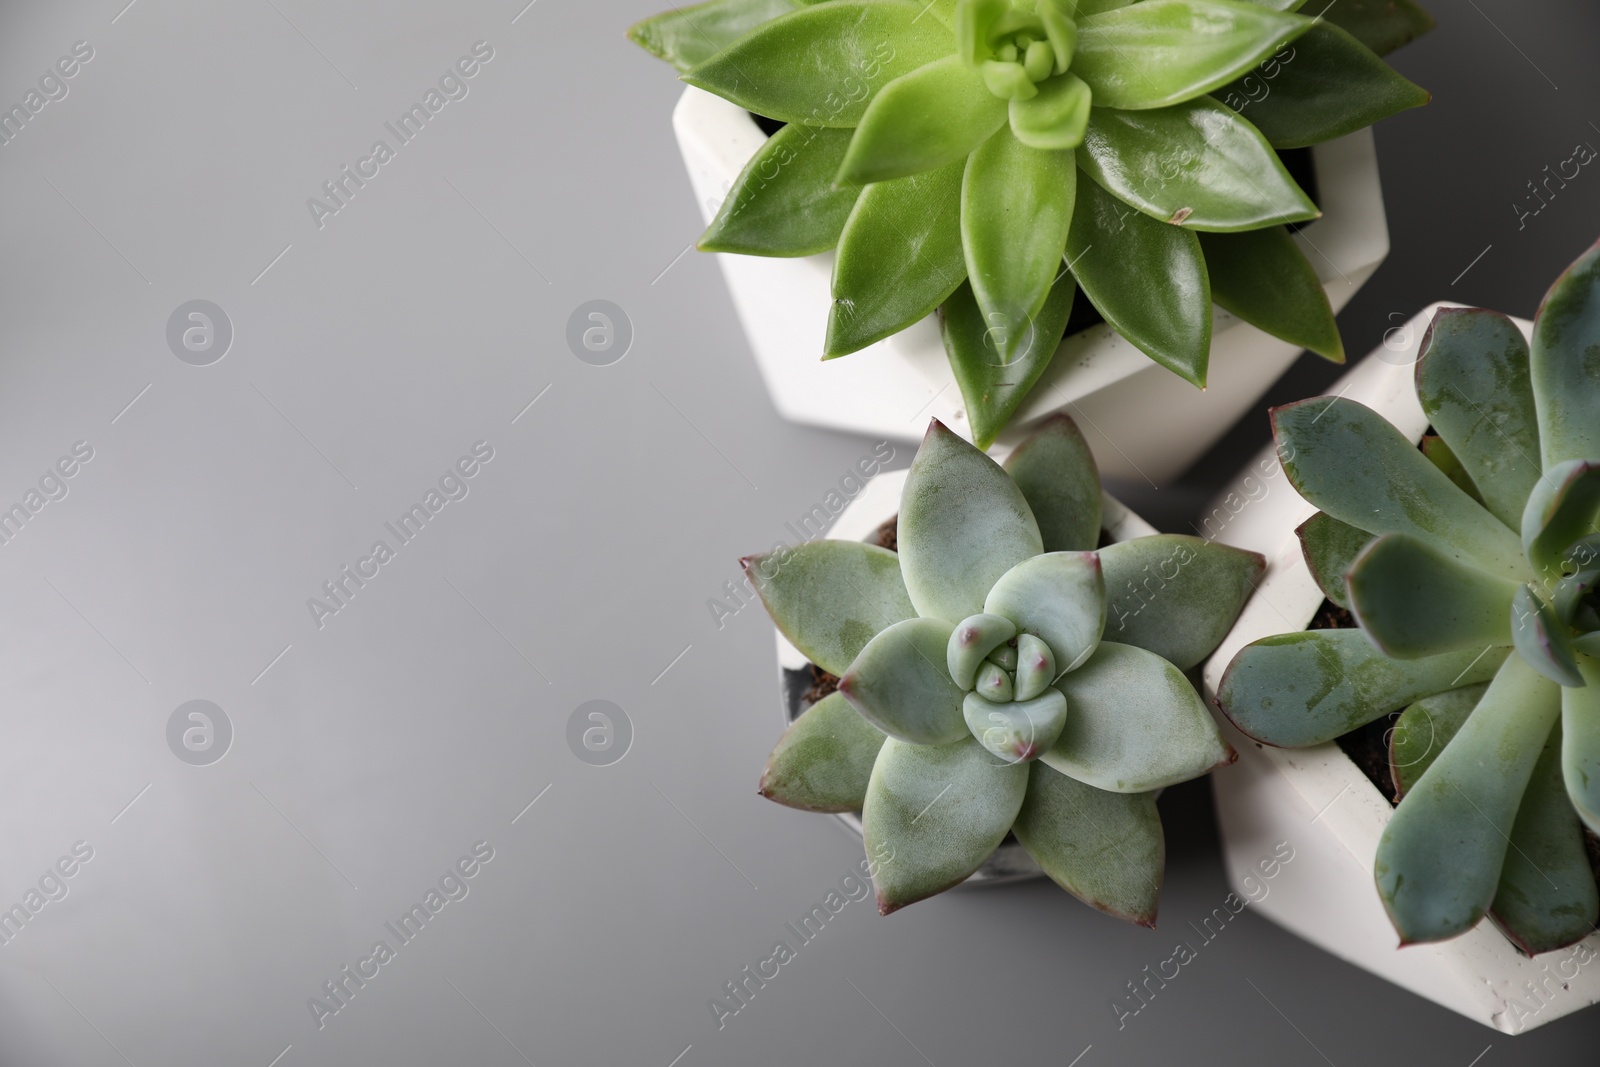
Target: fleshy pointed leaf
column 1163, row 52
column 1059, row 597
column 822, row 65
column 936, row 812
column 1473, row 381
column 1352, row 463
column 1547, row 898
column 991, row 389
column 1580, row 743
column 1415, row 601
column 1016, row 206
column 1104, row 848
column 1118, row 255
column 1541, row 638
column 1016, row 731
column 1563, row 508
column 823, row 761
column 691, row 35
column 1439, row 860
column 1565, row 363
column 993, row 684
column 1175, row 595
column 923, row 120
column 1381, row 25
column 830, row 597
column 1135, row 724
column 1058, row 477
column 1196, row 164
column 1328, row 86
column 963, row 523
column 1423, row 729
column 1036, row 667
column 1330, row 547
column 1263, row 277
column 899, row 257
column 783, row 202
column 900, row 684
column 971, row 642
column 1305, row 688
column 1056, row 117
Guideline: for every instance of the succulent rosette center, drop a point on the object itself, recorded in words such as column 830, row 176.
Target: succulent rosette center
column 1015, row 46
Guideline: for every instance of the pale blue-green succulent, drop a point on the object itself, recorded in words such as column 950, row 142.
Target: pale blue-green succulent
column 999, row 675
column 1471, row 567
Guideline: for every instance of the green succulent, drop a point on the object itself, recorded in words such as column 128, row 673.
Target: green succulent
column 992, row 157
column 1472, row 568
column 979, row 690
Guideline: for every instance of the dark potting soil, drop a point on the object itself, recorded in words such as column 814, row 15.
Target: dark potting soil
column 1297, row 161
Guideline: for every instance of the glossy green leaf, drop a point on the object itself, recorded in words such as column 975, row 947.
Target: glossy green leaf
column 1263, row 277
column 1473, row 381
column 900, row 684
column 830, row 597
column 1016, row 731
column 1440, row 455
column 1036, row 667
column 1195, row 164
column 1424, row 728
column 1352, row 463
column 899, row 257
column 1058, row 597
column 1147, row 279
column 1415, row 601
column 936, row 813
column 822, row 64
column 1016, row 207
column 1300, row 689
column 1057, row 474
column 691, row 35
column 1580, row 743
column 823, row 761
column 992, row 391
column 783, row 202
column 1547, row 898
column 1056, row 117
column 1329, row 85
column 1565, row 362
column 1175, row 595
column 1439, row 861
column 971, row 642
column 963, row 523
column 1104, row 848
column 1330, row 547
column 1163, row 52
column 923, row 120
column 1135, row 724
column 1542, row 640
column 1563, row 507
column 1381, row 25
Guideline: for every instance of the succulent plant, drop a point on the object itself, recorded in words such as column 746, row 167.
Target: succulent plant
column 1471, row 567
column 992, row 157
column 999, row 675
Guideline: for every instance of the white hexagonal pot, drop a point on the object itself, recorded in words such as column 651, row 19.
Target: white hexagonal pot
column 875, row 504
column 1141, row 420
column 1319, row 800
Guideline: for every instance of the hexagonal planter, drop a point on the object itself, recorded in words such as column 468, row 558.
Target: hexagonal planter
column 1320, row 801
column 1141, row 420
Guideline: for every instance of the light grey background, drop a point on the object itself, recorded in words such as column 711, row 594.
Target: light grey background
column 369, row 754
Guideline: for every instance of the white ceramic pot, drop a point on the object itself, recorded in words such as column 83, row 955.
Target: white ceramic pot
column 1319, row 800
column 875, row 504
column 1141, row 420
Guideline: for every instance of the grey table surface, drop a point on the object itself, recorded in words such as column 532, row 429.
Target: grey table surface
column 368, row 750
